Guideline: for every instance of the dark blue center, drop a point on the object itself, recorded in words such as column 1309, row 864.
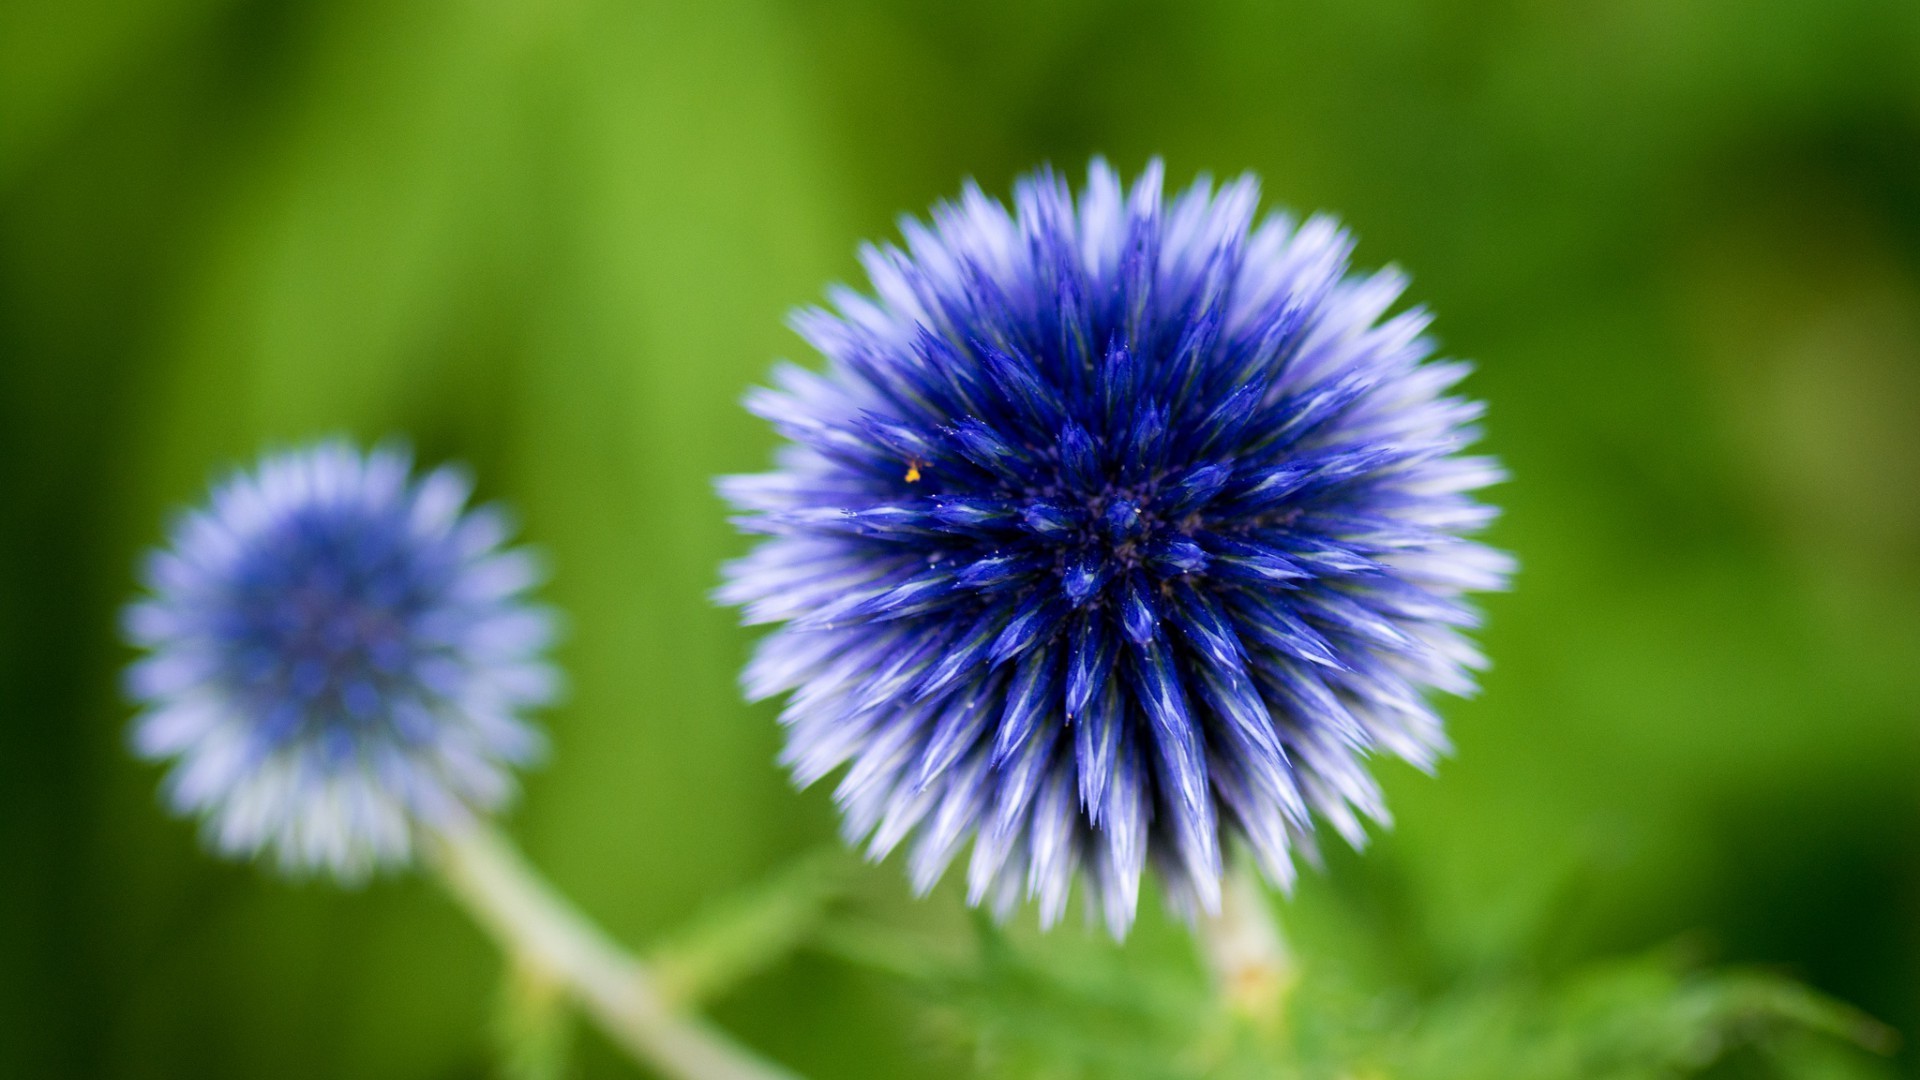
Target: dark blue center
column 323, row 627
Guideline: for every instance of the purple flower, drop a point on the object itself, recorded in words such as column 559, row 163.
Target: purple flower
column 338, row 654
column 1113, row 527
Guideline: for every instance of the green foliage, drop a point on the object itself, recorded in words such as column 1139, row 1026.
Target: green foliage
column 1644, row 1018
column 742, row 934
column 1081, row 1010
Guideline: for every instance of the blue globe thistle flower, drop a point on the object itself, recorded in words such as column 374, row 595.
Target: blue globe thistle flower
column 1113, row 526
column 339, row 654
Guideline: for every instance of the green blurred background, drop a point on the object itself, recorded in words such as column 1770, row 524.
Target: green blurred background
column 557, row 239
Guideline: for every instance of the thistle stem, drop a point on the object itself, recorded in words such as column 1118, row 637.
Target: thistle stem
column 1253, row 969
column 541, row 931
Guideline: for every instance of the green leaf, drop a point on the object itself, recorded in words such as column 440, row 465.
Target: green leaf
column 1068, row 1007
column 1646, row 1017
column 1082, row 1009
column 743, row 934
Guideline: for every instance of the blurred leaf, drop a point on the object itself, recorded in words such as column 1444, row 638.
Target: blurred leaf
column 742, row 934
column 58, row 58
column 1096, row 1012
column 1087, row 1010
column 1642, row 1018
column 534, row 1026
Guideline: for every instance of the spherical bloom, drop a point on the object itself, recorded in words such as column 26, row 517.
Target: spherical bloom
column 339, row 654
column 1112, row 527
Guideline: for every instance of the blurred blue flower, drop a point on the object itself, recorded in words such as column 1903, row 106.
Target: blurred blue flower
column 338, row 654
column 1113, row 526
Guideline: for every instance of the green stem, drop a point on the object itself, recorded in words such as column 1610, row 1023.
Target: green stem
column 539, row 929
column 1253, row 969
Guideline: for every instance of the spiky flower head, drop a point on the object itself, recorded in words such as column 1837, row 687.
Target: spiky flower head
column 1113, row 527
column 339, row 654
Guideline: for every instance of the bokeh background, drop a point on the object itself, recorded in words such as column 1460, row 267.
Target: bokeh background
column 556, row 239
